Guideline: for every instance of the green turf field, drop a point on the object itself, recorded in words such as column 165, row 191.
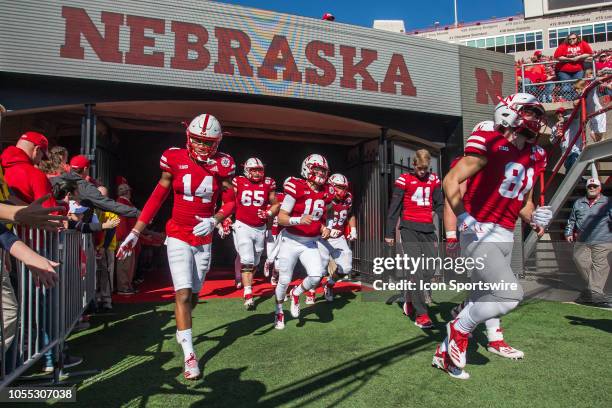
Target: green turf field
column 352, row 353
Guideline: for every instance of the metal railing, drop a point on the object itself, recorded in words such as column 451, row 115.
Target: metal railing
column 45, row 317
column 552, row 91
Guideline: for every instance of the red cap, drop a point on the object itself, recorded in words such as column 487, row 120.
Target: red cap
column 120, row 180
column 537, row 53
column 79, row 162
column 560, row 110
column 38, row 139
column 328, row 17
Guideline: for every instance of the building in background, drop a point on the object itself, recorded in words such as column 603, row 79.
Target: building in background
column 543, row 26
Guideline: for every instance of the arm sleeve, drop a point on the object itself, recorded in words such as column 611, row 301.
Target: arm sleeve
column 228, row 202
column 288, row 203
column 395, row 209
column 571, row 222
column 7, row 238
column 105, row 203
column 438, row 202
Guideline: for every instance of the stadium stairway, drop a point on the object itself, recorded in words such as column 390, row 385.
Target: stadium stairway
column 550, row 257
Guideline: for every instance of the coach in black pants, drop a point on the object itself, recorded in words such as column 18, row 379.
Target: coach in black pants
column 416, row 196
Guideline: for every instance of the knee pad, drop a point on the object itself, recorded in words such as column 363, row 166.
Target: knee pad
column 311, row 282
column 247, row 268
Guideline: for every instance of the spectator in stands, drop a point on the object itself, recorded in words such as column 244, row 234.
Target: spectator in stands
column 590, row 227
column 561, row 133
column 79, row 172
column 125, row 268
column 22, row 177
column 571, row 55
column 328, row 17
column 56, row 163
column 106, row 244
column 535, row 74
column 597, row 123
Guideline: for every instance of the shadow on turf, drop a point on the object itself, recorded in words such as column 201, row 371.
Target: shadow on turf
column 601, row 324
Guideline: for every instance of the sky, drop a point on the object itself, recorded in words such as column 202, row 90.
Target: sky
column 415, row 13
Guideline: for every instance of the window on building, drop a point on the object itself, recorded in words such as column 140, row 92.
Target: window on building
column 600, row 32
column 587, row 33
column 591, row 33
column 609, row 30
column 510, row 43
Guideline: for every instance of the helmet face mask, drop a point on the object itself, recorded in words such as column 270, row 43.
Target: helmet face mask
column 254, row 169
column 340, row 185
column 522, row 113
column 204, row 135
column 315, row 169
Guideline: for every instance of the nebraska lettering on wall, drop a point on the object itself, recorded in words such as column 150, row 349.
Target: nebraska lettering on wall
column 233, row 53
column 489, row 87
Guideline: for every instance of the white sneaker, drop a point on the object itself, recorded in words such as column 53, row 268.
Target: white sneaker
column 279, row 321
column 310, row 297
column 192, row 371
column 328, row 292
column 295, row 304
column 501, row 348
column 249, row 303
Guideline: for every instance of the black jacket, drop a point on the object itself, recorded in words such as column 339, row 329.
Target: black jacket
column 88, row 191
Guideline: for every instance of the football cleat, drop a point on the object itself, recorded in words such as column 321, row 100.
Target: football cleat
column 501, row 348
column 249, row 302
column 328, row 292
column 279, row 321
column 442, row 361
column 192, row 371
column 295, row 304
column 423, row 321
column 310, row 297
column 408, row 308
column 457, row 344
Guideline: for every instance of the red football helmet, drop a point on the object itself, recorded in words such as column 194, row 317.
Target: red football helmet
column 340, row 185
column 254, row 169
column 315, row 169
column 204, row 135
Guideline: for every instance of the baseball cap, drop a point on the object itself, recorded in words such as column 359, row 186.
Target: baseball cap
column 328, row 17
column 593, row 181
column 76, row 208
column 537, row 53
column 79, row 162
column 561, row 110
column 38, row 139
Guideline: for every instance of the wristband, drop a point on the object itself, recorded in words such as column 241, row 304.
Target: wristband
column 451, row 234
column 295, row 220
column 354, row 230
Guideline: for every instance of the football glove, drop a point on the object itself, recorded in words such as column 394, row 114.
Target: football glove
column 542, row 216
column 225, row 228
column 205, row 226
column 127, row 246
column 467, row 223
column 352, row 236
column 335, row 233
column 452, row 247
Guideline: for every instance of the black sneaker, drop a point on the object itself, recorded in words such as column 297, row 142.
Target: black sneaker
column 127, row 292
column 71, row 361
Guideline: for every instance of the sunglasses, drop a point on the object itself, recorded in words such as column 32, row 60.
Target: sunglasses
column 593, row 186
column 573, row 38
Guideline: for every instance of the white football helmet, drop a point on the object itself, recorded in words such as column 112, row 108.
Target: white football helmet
column 510, row 113
column 339, row 183
column 254, row 169
column 204, row 135
column 310, row 163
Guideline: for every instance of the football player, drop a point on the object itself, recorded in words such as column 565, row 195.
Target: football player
column 336, row 246
column 253, row 193
column 501, row 163
column 303, row 213
column 196, row 175
column 270, row 267
column 416, row 195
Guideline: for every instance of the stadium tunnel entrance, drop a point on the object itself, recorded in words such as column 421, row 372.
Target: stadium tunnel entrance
column 127, row 138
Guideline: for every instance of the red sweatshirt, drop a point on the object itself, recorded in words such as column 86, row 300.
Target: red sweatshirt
column 27, row 182
column 566, row 50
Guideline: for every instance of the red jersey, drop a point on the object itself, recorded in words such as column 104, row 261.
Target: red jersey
column 418, row 196
column 276, row 228
column 196, row 191
column 251, row 197
column 496, row 193
column 342, row 209
column 308, row 202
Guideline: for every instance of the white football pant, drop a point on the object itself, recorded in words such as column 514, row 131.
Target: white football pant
column 188, row 264
column 338, row 250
